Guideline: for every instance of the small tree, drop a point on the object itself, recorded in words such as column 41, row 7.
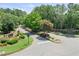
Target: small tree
column 7, row 27
column 32, row 21
column 8, row 23
column 46, row 25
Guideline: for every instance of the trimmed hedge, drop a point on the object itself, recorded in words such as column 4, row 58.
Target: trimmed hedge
column 3, row 41
column 12, row 42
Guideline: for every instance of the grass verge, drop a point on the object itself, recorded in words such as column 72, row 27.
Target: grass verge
column 21, row 44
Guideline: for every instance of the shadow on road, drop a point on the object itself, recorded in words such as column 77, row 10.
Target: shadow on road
column 41, row 38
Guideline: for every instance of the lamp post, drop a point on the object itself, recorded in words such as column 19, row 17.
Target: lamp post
column 28, row 37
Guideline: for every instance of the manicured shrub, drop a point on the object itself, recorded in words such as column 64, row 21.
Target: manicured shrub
column 21, row 36
column 3, row 41
column 12, row 42
column 44, row 34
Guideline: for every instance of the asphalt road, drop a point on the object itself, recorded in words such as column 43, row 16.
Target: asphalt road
column 69, row 46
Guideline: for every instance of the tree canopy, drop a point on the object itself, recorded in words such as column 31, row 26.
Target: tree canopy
column 62, row 16
column 9, row 20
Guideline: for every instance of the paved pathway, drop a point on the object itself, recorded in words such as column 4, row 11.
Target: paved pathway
column 68, row 47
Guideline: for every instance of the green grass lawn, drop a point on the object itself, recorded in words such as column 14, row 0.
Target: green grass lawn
column 22, row 43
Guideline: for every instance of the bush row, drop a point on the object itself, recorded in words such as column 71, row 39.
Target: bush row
column 10, row 42
column 13, row 40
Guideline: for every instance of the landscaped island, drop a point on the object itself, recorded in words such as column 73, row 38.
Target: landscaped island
column 14, row 44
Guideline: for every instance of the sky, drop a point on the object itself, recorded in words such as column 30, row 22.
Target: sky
column 28, row 7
